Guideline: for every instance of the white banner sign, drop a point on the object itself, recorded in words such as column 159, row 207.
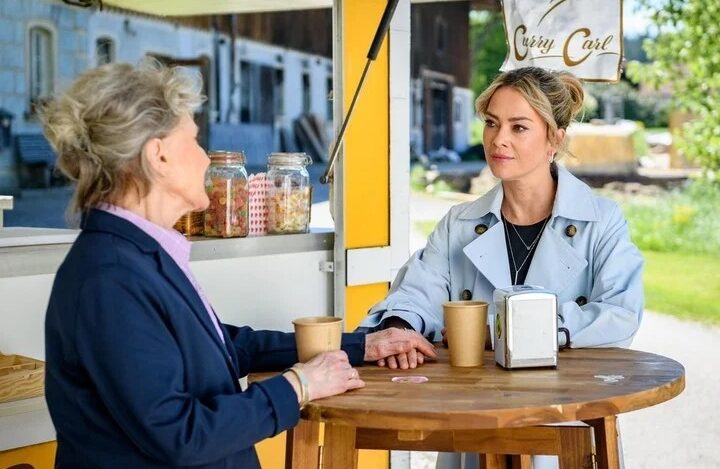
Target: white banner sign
column 581, row 36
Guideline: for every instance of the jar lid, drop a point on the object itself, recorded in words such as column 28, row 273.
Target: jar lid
column 289, row 159
column 221, row 156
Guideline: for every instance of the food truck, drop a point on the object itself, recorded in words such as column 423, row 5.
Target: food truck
column 265, row 281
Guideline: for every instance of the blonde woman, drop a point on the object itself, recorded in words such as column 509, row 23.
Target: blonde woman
column 140, row 371
column 539, row 226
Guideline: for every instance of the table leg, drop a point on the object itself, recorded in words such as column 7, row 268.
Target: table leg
column 339, row 449
column 606, row 442
column 303, row 446
column 521, row 461
column 501, row 461
column 575, row 448
column 493, row 461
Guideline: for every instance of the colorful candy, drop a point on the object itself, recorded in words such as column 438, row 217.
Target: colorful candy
column 288, row 210
column 227, row 215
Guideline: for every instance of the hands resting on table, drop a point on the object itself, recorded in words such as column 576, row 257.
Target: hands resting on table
column 330, row 373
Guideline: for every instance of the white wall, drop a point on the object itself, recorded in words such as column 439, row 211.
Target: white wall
column 265, row 292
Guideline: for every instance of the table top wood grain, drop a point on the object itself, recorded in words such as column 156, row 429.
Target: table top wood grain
column 587, row 384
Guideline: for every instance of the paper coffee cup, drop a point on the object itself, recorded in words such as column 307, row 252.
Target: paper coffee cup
column 466, row 323
column 317, row 334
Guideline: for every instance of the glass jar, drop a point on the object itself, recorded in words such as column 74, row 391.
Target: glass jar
column 289, row 195
column 191, row 224
column 226, row 187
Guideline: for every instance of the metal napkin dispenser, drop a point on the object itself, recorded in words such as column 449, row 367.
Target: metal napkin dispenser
column 526, row 327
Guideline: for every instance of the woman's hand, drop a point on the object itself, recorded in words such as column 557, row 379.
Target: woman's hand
column 398, row 348
column 328, row 374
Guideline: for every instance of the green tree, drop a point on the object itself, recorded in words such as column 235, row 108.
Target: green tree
column 685, row 56
column 488, row 48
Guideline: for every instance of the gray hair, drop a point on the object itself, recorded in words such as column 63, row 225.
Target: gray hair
column 556, row 96
column 100, row 125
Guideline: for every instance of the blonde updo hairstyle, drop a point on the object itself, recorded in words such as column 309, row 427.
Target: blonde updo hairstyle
column 100, row 125
column 556, row 96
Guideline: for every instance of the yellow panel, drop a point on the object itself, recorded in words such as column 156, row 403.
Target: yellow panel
column 40, row 456
column 271, row 452
column 366, row 182
column 359, row 299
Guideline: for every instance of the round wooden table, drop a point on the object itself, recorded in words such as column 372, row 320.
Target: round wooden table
column 489, row 409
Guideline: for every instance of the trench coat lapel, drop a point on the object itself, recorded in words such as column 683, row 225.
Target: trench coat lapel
column 555, row 263
column 489, row 256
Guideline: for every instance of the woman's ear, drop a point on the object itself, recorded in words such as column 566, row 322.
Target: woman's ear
column 153, row 154
column 559, row 138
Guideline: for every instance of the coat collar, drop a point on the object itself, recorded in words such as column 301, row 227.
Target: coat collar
column 101, row 221
column 104, row 222
column 574, row 200
column 555, row 263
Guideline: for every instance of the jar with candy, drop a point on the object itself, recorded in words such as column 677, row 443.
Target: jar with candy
column 226, row 186
column 289, row 193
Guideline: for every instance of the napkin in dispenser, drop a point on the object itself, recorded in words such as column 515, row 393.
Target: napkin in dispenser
column 526, row 327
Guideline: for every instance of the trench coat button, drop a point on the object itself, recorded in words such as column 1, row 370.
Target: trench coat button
column 571, row 230
column 466, row 295
column 581, row 301
column 480, row 229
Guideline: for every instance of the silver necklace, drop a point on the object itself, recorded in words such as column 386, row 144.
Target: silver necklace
column 527, row 248
column 530, row 248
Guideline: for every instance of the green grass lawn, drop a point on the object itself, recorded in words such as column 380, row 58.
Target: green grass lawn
column 684, row 285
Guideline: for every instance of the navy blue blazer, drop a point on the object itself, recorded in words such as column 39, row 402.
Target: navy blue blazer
column 137, row 376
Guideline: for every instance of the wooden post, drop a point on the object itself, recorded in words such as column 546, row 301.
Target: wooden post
column 339, row 451
column 575, row 448
column 606, row 442
column 303, row 446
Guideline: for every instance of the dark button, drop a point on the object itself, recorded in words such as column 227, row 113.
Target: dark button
column 571, row 230
column 480, row 229
column 466, row 295
column 581, row 300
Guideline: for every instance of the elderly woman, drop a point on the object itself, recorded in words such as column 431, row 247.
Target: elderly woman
column 140, row 371
column 539, row 226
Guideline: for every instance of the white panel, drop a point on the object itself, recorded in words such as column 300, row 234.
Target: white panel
column 207, row 7
column 399, row 137
column 22, row 314
column 368, row 265
column 336, row 186
column 264, row 292
column 25, row 422
column 267, row 292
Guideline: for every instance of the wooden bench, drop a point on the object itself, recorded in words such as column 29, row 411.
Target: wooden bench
column 36, row 158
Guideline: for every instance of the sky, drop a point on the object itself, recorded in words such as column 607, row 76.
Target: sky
column 635, row 22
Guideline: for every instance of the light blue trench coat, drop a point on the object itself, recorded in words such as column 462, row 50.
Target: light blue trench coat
column 584, row 255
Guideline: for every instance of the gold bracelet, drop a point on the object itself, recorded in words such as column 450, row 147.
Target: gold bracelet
column 304, row 385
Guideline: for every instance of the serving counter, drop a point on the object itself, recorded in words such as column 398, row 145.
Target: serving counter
column 263, row 282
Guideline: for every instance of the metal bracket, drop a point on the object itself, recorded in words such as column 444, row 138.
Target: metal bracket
column 327, row 266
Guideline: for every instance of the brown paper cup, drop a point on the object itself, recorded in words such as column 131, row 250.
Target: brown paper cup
column 466, row 323
column 317, row 334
